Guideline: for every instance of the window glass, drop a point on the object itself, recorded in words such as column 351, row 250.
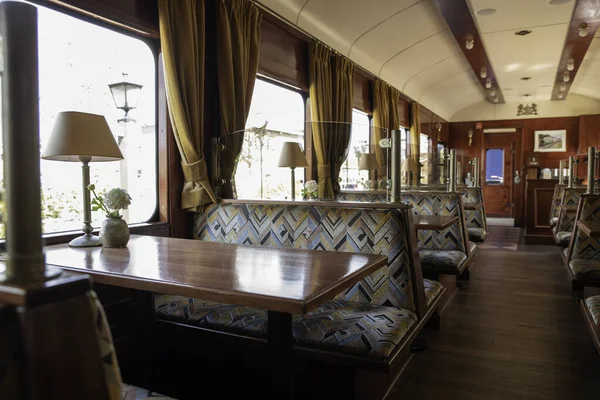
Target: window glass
column 424, row 144
column 77, row 62
column 352, row 177
column 281, row 112
column 494, row 166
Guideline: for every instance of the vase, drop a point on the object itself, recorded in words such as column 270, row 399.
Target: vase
column 114, row 232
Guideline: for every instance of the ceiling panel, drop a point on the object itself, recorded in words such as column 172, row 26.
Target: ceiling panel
column 288, row 9
column 418, row 84
column 454, row 93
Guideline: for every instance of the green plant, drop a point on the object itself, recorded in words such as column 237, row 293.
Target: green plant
column 112, row 202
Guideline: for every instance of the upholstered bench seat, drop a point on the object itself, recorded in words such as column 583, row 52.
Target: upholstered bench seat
column 585, row 270
column 476, row 234
column 472, row 247
column 129, row 392
column 563, row 238
column 448, row 260
column 432, row 289
column 553, row 221
column 593, row 306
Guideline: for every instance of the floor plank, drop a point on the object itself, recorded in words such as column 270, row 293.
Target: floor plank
column 514, row 332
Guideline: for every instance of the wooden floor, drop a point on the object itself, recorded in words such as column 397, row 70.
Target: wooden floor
column 514, row 332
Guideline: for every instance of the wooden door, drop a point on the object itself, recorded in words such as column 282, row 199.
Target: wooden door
column 498, row 173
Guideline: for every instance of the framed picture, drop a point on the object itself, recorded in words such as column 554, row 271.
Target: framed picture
column 550, row 141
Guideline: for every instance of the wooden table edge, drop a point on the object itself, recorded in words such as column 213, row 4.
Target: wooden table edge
column 452, row 221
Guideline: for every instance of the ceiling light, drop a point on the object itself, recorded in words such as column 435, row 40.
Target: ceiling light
column 558, row 2
column 492, row 92
column 570, row 65
column 487, row 11
column 560, row 95
column 495, row 99
column 527, row 94
column 583, row 29
column 562, row 87
column 566, row 77
column 488, row 83
column 483, row 73
column 523, row 32
column 525, row 78
column 469, row 43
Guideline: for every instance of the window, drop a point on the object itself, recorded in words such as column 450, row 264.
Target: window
column 352, row 177
column 424, row 143
column 494, row 166
column 77, row 62
column 281, row 111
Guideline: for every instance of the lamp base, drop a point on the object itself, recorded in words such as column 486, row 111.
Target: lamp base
column 86, row 241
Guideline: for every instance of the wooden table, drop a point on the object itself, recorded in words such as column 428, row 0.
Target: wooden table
column 282, row 281
column 589, row 228
column 433, row 222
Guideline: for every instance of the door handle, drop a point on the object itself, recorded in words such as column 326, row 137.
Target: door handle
column 517, row 179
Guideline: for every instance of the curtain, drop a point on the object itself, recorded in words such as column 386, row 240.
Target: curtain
column 381, row 118
column 182, row 41
column 321, row 107
column 415, row 132
column 238, row 46
column 395, row 101
column 343, row 94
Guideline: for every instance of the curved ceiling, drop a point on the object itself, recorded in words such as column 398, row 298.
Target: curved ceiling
column 408, row 44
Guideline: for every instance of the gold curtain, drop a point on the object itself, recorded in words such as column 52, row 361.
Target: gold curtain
column 238, row 46
column 343, row 94
column 381, row 118
column 395, row 101
column 182, row 41
column 321, row 106
column 415, row 131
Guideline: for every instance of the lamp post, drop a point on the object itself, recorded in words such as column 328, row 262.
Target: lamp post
column 126, row 96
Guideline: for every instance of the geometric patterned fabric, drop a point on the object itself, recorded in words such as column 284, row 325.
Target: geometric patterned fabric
column 375, row 196
column 451, row 261
column 566, row 219
column 556, row 199
column 475, row 218
column 432, row 289
column 585, row 247
column 563, row 238
column 585, row 270
column 553, row 221
column 336, row 228
column 593, row 306
column 476, row 234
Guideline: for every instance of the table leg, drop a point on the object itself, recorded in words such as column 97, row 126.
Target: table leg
column 281, row 344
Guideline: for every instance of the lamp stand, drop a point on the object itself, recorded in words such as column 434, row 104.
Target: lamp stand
column 293, row 183
column 87, row 240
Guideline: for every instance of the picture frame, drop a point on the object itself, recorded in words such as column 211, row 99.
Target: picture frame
column 550, row 141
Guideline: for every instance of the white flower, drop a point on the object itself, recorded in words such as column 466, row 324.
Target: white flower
column 312, row 186
column 117, row 199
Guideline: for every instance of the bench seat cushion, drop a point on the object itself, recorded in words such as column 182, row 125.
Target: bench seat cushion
column 593, row 306
column 476, row 233
column 354, row 328
column 432, row 289
column 129, row 392
column 451, row 260
column 586, row 270
column 209, row 314
column 563, row 238
column 472, row 247
column 553, row 221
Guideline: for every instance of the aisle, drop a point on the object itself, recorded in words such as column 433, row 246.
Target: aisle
column 514, row 332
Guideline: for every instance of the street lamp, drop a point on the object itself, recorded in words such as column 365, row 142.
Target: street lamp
column 126, row 96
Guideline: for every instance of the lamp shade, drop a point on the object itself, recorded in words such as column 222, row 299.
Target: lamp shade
column 77, row 134
column 292, row 156
column 368, row 162
column 408, row 164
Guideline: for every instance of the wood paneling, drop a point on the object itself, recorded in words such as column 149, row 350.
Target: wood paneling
column 538, row 199
column 362, row 91
column 458, row 17
column 589, row 133
column 575, row 48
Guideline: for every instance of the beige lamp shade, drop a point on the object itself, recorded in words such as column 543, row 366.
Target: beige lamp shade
column 368, row 162
column 292, row 156
column 409, row 165
column 78, row 134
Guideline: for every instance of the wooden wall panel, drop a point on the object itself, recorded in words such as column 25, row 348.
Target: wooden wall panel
column 589, row 132
column 362, row 92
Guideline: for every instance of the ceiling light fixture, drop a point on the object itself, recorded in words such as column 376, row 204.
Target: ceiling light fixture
column 562, row 87
column 492, row 92
column 566, row 76
column 527, row 95
column 570, row 65
column 483, row 73
column 561, row 96
column 583, row 29
column 523, row 32
column 525, row 78
column 488, row 83
column 495, row 99
column 487, row 11
column 469, row 43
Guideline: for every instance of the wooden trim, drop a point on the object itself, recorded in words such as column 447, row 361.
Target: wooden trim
column 535, row 208
column 320, row 203
column 420, row 299
column 591, row 326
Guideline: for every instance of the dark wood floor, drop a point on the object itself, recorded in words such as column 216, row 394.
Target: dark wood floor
column 515, row 332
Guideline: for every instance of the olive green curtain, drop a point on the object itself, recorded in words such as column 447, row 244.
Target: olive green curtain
column 343, row 95
column 182, row 40
column 238, row 46
column 395, row 102
column 321, row 106
column 415, row 131
column 381, row 118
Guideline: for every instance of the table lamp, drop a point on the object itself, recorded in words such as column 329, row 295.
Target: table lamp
column 368, row 162
column 82, row 137
column 292, row 157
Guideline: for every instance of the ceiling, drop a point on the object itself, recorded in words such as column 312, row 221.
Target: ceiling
column 408, row 44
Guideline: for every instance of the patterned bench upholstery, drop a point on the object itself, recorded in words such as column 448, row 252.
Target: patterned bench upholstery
column 447, row 251
column 369, row 319
column 566, row 218
column 556, row 199
column 432, row 289
column 593, row 307
column 476, row 221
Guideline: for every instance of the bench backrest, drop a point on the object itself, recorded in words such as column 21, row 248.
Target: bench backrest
column 583, row 246
column 556, row 199
column 383, row 231
column 475, row 218
column 440, row 203
column 566, row 219
column 373, row 196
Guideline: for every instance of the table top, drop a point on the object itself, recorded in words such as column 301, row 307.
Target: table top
column 433, row 222
column 589, row 228
column 285, row 280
